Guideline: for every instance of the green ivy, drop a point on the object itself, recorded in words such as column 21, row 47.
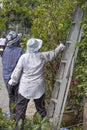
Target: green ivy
column 50, row 20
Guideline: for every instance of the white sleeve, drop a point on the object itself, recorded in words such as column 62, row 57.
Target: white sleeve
column 50, row 55
column 15, row 77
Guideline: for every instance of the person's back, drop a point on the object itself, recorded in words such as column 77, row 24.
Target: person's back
column 33, row 66
column 10, row 57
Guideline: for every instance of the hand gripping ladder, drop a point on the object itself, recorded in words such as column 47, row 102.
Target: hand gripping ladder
column 64, row 76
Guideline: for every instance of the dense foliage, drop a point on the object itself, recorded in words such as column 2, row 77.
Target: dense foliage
column 50, row 20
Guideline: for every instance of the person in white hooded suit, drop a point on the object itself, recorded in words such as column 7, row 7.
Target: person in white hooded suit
column 29, row 71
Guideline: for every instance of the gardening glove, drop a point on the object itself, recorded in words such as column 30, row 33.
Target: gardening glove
column 63, row 42
column 61, row 46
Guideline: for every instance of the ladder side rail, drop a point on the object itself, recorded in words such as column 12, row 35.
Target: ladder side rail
column 65, row 69
column 67, row 89
column 61, row 96
column 57, row 86
column 74, row 37
column 55, row 92
column 62, row 74
column 51, row 107
column 60, row 99
column 70, row 77
column 59, row 104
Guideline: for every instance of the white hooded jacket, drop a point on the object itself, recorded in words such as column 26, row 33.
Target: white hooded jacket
column 29, row 71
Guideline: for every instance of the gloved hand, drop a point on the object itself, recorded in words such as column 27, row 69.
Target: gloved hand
column 63, row 42
column 61, row 47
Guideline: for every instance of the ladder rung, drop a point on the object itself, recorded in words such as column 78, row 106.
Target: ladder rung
column 58, row 80
column 73, row 22
column 54, row 100
column 63, row 61
column 69, row 42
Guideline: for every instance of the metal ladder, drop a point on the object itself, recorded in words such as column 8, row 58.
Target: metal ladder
column 64, row 75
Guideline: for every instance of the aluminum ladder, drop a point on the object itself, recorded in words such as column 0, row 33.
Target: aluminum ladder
column 64, row 75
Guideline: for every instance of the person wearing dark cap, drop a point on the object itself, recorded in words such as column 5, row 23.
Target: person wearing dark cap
column 30, row 68
column 11, row 55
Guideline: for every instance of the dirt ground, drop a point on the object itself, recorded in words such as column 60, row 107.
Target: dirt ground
column 4, row 98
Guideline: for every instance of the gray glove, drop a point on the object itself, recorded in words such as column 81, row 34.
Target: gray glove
column 61, row 47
